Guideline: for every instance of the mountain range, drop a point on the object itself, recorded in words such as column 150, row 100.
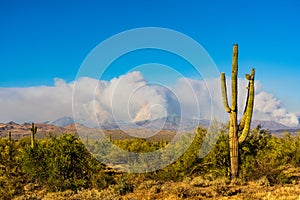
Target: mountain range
column 169, row 125
column 172, row 123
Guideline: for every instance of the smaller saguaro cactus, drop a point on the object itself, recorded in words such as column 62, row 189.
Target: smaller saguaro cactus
column 33, row 132
column 10, row 146
column 9, row 136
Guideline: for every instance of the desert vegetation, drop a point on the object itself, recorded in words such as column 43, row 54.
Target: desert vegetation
column 241, row 164
column 61, row 167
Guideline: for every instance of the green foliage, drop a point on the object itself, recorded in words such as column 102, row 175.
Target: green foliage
column 122, row 186
column 138, row 145
column 262, row 155
column 217, row 162
column 186, row 163
column 61, row 163
column 252, row 147
column 11, row 176
column 274, row 154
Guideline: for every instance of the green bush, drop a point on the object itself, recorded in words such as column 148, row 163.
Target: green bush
column 12, row 179
column 264, row 155
column 122, row 186
column 217, row 162
column 251, row 164
column 61, row 163
column 187, row 163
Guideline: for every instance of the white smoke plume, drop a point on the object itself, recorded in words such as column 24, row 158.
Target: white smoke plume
column 131, row 98
column 268, row 107
column 36, row 103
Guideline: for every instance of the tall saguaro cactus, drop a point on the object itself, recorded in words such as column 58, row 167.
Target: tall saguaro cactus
column 237, row 132
column 33, row 132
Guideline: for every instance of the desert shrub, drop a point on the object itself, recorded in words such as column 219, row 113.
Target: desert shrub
column 62, row 163
column 217, row 162
column 220, row 186
column 290, row 150
column 200, row 182
column 187, row 163
column 139, row 145
column 122, row 186
column 12, row 179
column 260, row 155
column 249, row 150
column 266, row 156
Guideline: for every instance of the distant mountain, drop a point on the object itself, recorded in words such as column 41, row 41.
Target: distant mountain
column 168, row 123
column 276, row 128
column 62, row 122
column 176, row 122
column 269, row 125
column 168, row 127
column 21, row 130
column 165, row 123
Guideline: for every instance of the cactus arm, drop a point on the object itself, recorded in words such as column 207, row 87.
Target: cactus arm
column 249, row 110
column 224, row 93
column 242, row 122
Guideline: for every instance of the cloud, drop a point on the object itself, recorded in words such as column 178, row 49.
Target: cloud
column 268, row 107
column 36, row 103
column 130, row 98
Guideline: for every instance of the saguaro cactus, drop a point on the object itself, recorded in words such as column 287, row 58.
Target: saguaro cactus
column 9, row 136
column 237, row 132
column 33, row 132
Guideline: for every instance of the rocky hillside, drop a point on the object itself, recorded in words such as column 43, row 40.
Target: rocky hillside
column 21, row 130
column 147, row 129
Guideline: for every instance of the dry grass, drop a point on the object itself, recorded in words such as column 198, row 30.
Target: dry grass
column 189, row 188
column 196, row 188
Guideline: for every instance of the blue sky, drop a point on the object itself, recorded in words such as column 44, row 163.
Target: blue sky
column 41, row 40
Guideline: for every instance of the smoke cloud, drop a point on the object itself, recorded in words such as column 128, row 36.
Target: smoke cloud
column 131, row 98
